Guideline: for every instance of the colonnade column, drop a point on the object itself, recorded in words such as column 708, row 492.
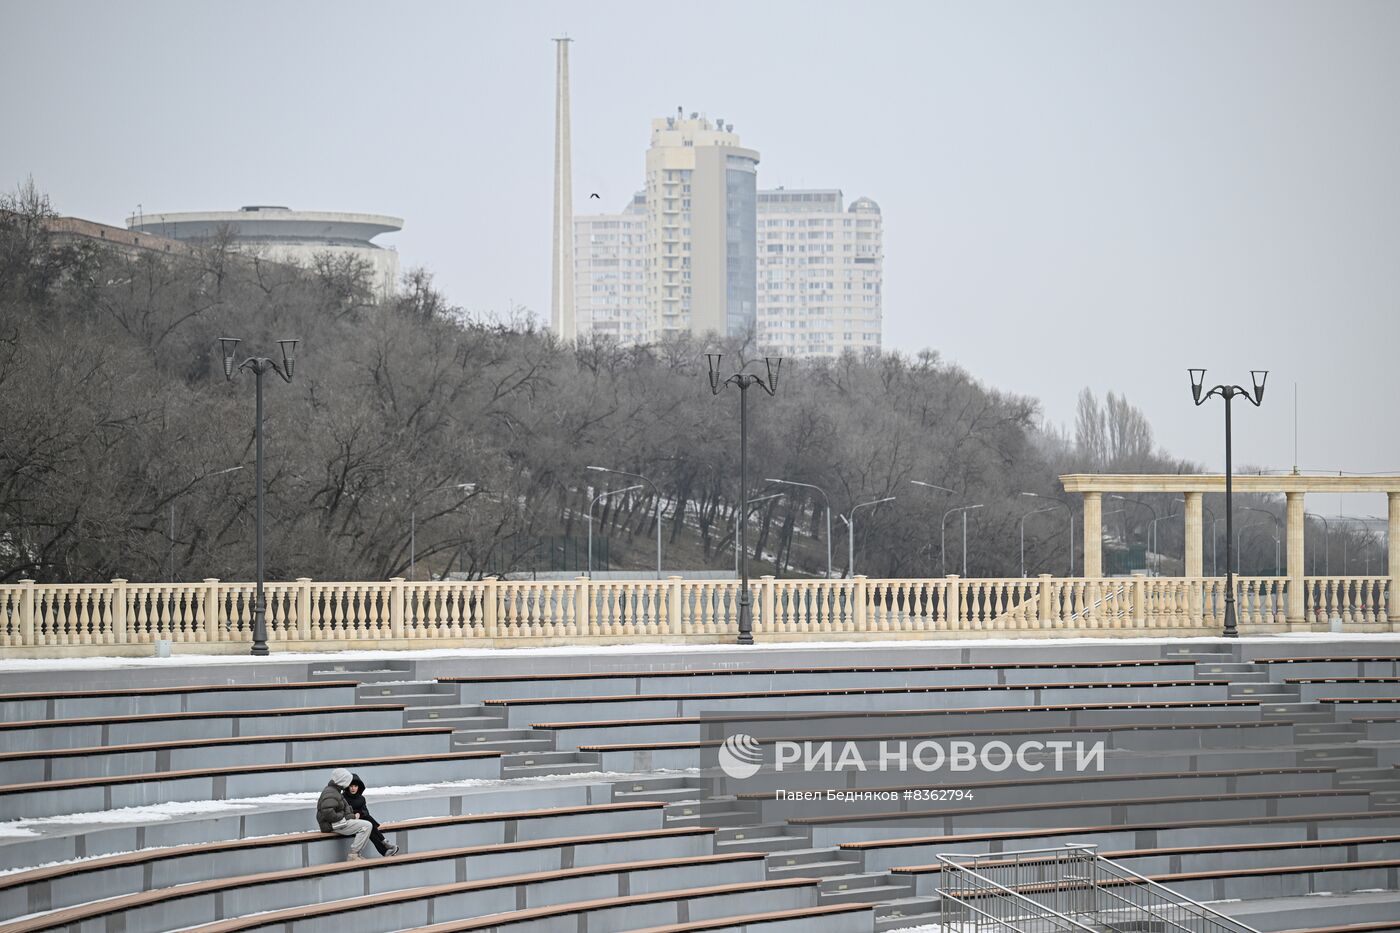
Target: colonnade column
column 1195, row 554
column 1393, row 548
column 1297, row 609
column 1093, row 533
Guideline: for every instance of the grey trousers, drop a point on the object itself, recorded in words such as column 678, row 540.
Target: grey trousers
column 360, row 829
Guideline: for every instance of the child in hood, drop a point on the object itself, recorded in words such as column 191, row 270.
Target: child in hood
column 355, row 798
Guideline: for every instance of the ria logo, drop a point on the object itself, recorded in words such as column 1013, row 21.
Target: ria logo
column 740, row 756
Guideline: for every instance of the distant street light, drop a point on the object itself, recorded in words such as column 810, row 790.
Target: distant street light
column 258, row 365
column 942, row 536
column 825, row 500
column 744, row 381
column 1326, row 546
column 170, row 559
column 1278, row 533
column 596, row 499
column 851, row 531
column 752, row 503
column 413, row 528
column 1048, row 508
column 935, row 487
column 1069, row 513
column 1229, row 394
column 655, row 492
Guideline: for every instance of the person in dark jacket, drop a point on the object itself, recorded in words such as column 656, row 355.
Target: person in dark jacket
column 355, row 798
column 334, row 815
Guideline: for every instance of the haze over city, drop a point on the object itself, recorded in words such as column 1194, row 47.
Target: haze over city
column 1073, row 194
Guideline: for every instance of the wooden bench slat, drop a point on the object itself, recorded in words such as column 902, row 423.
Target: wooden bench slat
column 138, row 747
column 128, row 901
column 238, row 769
column 150, row 856
column 135, row 718
column 165, row 691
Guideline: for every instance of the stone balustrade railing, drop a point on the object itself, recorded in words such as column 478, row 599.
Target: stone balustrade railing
column 37, row 618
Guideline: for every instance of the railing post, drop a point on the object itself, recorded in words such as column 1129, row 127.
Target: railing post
column 673, row 607
column 766, row 605
column 304, row 608
column 211, row 609
column 583, row 598
column 1295, row 614
column 1139, row 599
column 1392, row 596
column 1047, row 603
column 954, row 598
column 26, row 613
column 118, row 611
column 396, row 598
column 858, row 598
column 491, row 597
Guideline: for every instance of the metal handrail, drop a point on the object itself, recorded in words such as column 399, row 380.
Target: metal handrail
column 1170, row 894
column 1101, row 875
column 1033, row 907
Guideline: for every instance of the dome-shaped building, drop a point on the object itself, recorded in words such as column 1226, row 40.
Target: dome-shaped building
column 284, row 235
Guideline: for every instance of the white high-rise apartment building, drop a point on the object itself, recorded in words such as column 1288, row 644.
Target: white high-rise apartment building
column 700, row 249
column 609, row 275
column 820, row 271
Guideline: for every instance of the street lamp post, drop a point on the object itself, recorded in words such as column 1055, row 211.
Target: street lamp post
column 943, row 539
column 258, row 365
column 1153, row 537
column 825, row 501
column 936, row 488
column 170, row 558
column 1228, row 394
column 655, row 492
column 596, row 499
column 744, row 381
column 851, row 532
column 1278, row 534
column 413, row 528
column 1048, row 508
column 1326, row 546
column 1151, row 545
column 1069, row 512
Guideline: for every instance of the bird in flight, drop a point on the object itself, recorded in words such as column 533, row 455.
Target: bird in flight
column 593, row 195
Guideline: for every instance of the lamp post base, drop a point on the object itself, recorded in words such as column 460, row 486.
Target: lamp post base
column 745, row 621
column 259, row 632
column 1231, row 629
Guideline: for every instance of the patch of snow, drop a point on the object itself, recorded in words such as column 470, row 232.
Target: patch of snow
column 13, row 830
column 18, row 665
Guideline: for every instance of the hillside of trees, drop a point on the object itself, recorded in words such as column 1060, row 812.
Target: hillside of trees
column 118, row 432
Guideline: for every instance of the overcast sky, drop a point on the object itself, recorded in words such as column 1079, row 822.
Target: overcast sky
column 1090, row 193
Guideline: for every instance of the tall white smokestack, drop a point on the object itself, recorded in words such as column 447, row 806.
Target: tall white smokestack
column 561, row 309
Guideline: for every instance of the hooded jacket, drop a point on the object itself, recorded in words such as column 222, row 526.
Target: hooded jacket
column 356, row 802
column 331, row 807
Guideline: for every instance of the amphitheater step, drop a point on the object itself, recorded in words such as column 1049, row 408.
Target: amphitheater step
column 667, row 790
column 366, row 672
column 533, row 764
column 1202, row 655
column 439, row 715
column 1297, row 712
column 1385, row 800
column 503, row 740
column 410, row 693
column 723, row 811
column 905, row 912
column 1370, row 778
column 1338, row 757
column 826, row 862
column 863, row 889
column 765, row 837
column 1265, row 692
column 1325, row 732
column 1231, row 670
